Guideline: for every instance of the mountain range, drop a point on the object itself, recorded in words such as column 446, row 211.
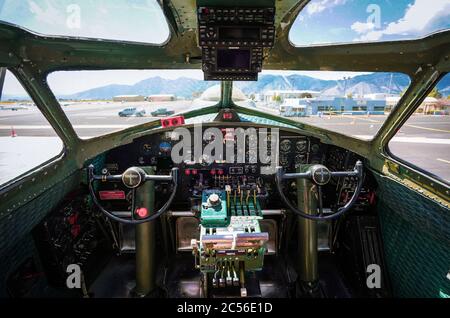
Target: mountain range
column 393, row 83
column 181, row 87
column 361, row 84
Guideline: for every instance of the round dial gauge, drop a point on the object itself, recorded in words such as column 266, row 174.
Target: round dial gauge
column 315, row 148
column 301, row 145
column 284, row 160
column 165, row 147
column 300, row 159
column 285, row 145
column 146, row 148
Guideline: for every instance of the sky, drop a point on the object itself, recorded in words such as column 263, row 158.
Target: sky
column 321, row 21
column 130, row 20
column 336, row 21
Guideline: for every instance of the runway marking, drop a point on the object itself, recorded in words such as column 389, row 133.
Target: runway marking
column 443, row 160
column 331, row 124
column 422, row 140
column 426, row 128
column 414, row 140
column 362, row 118
column 3, row 127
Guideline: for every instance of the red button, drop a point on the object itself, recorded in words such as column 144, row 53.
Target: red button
column 142, row 212
column 220, row 172
column 187, row 172
column 213, row 172
column 194, row 171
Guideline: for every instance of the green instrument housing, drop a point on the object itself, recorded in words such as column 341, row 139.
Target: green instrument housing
column 214, row 215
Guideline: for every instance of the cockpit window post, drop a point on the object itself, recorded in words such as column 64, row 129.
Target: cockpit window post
column 2, row 80
column 226, row 92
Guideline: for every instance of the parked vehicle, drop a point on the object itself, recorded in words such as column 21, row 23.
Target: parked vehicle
column 128, row 112
column 162, row 112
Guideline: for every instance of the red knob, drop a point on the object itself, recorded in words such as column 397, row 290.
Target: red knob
column 142, row 212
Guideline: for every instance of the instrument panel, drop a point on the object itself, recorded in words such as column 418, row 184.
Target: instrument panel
column 156, row 149
column 291, row 150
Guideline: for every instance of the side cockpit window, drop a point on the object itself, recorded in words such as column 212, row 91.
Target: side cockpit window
column 424, row 139
column 26, row 138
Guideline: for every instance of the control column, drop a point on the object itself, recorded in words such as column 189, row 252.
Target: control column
column 145, row 237
column 307, row 200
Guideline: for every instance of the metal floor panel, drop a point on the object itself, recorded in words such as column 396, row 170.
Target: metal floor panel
column 116, row 280
column 181, row 280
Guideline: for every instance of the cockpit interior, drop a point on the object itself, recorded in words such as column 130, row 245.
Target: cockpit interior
column 224, row 200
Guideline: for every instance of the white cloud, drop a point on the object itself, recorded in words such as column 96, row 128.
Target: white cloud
column 361, row 27
column 318, row 6
column 47, row 14
column 419, row 16
column 418, row 20
column 370, row 36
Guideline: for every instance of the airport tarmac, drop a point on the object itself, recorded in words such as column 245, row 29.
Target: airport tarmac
column 424, row 139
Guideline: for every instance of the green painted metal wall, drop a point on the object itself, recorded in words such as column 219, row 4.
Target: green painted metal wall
column 17, row 244
column 416, row 235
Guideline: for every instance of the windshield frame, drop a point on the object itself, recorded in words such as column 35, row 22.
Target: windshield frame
column 92, row 38
column 304, row 6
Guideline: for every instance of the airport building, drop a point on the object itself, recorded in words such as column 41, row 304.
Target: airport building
column 270, row 97
column 128, row 98
column 324, row 104
column 430, row 105
column 161, row 98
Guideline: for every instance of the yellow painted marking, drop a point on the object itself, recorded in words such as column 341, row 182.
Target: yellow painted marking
column 426, row 128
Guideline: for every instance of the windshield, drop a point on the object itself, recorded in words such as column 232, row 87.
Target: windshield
column 352, row 103
column 99, row 102
column 339, row 21
column 27, row 139
column 127, row 20
column 355, row 104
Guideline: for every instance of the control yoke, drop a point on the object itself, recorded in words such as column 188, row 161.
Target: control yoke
column 132, row 178
column 320, row 175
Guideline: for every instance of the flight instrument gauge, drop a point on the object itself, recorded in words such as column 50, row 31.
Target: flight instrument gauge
column 301, row 145
column 165, row 147
column 285, row 145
